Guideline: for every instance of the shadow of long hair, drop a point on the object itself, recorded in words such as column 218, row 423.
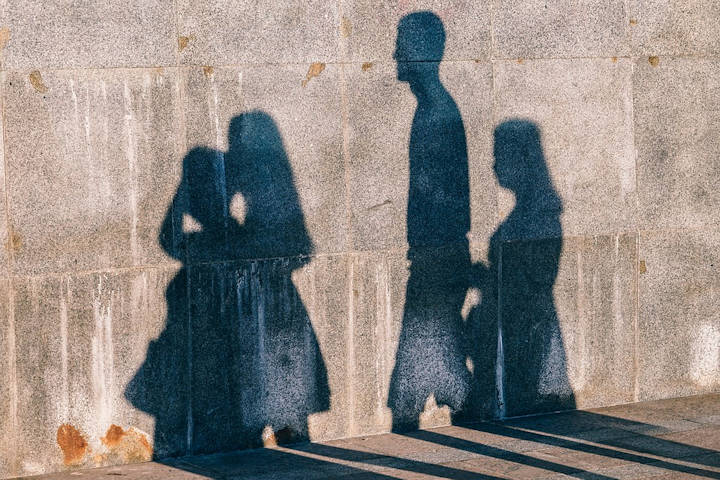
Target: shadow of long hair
column 524, row 259
column 238, row 357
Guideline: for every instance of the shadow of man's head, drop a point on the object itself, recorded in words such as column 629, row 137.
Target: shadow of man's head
column 420, row 38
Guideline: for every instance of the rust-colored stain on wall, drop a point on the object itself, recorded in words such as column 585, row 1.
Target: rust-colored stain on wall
column 128, row 445
column 4, row 37
column 113, row 436
column 184, row 41
column 654, row 61
column 643, row 267
column 614, row 59
column 314, row 70
column 72, row 444
column 36, row 81
column 208, row 71
column 366, row 66
column 14, row 242
column 345, row 27
column 633, row 21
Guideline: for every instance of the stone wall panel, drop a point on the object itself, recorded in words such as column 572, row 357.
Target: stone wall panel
column 94, row 34
column 678, row 323
column 676, row 136
column 92, row 159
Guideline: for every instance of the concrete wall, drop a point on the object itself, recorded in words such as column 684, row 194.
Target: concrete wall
column 129, row 326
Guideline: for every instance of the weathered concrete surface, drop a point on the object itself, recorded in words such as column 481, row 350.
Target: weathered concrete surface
column 72, row 368
column 269, row 370
column 307, row 120
column 679, row 280
column 586, row 139
column 305, row 103
column 92, row 34
column 98, row 166
column 7, row 377
column 220, row 32
column 538, row 29
column 205, row 227
column 626, row 442
column 567, row 314
column 378, row 284
column 378, row 150
column 676, row 136
column 4, row 252
column 393, row 323
column 378, row 165
column 325, row 282
column 673, row 27
column 599, row 335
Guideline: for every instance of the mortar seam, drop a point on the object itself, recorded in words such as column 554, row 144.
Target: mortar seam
column 349, row 234
column 492, row 58
column 12, row 344
column 182, row 145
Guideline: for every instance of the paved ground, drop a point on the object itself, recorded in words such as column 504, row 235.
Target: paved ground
column 669, row 439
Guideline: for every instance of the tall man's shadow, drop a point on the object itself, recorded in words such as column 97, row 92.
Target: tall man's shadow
column 238, row 358
column 430, row 360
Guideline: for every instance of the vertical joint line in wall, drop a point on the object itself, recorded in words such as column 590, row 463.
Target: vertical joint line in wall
column 349, row 238
column 492, row 37
column 182, row 148
column 628, row 17
column 12, row 354
column 500, row 354
column 344, row 118
column 351, row 348
column 339, row 33
column 636, row 334
column 493, row 122
column 8, row 223
column 176, row 40
column 636, row 267
column 12, row 367
column 189, row 366
column 9, row 226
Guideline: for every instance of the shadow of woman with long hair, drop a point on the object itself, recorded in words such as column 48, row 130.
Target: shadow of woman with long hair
column 517, row 284
column 238, row 358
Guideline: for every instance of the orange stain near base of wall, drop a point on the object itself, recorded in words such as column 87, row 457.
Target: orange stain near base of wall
column 72, row 444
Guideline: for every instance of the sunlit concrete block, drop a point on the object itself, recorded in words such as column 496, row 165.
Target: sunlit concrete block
column 540, row 29
column 229, row 33
column 676, row 135
column 92, row 34
column 678, row 322
column 92, row 161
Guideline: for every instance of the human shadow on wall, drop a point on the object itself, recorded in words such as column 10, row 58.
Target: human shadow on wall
column 517, row 283
column 463, row 363
column 430, row 360
column 238, row 362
